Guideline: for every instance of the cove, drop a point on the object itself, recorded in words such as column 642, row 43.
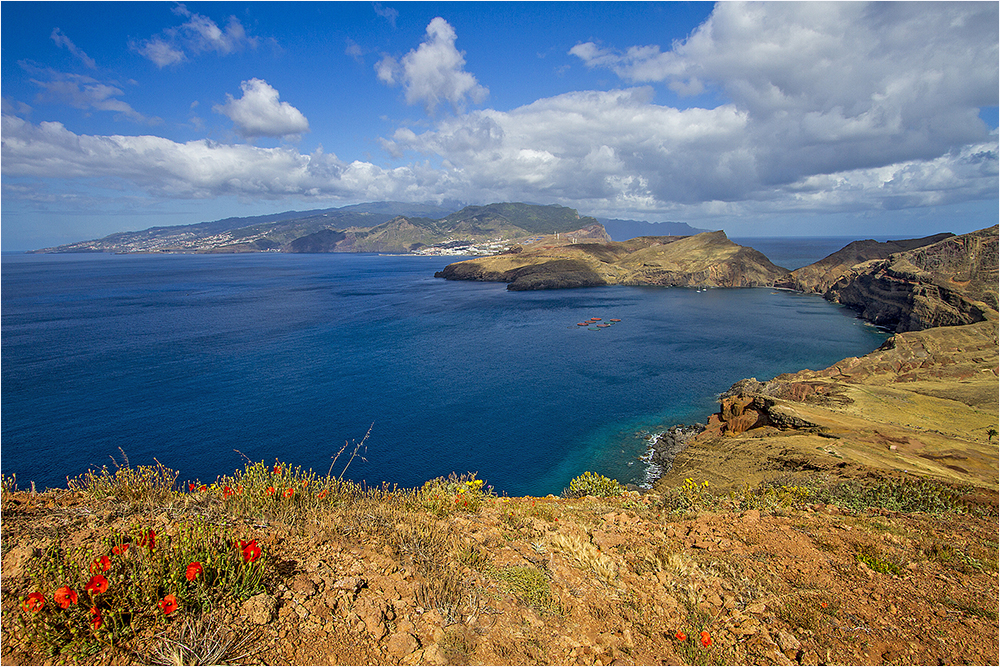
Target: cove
column 200, row 360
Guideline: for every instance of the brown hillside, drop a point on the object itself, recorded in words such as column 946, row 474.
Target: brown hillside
column 820, row 276
column 708, row 260
column 947, row 283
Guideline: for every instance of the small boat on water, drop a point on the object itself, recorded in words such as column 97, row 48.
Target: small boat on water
column 595, row 319
column 615, row 319
column 583, row 324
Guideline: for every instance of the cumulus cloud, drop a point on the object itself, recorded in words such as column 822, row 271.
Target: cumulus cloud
column 259, row 113
column 197, row 169
column 830, row 87
column 353, row 49
column 588, row 146
column 434, row 72
column 65, row 42
column 199, row 34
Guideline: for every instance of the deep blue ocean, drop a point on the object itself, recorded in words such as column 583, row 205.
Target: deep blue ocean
column 189, row 358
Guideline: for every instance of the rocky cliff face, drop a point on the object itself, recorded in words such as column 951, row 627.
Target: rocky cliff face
column 948, row 283
column 820, row 276
column 707, row 260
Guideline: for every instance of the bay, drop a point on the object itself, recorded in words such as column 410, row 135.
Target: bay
column 201, row 360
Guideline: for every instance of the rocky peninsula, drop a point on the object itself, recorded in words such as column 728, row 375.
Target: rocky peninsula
column 709, row 259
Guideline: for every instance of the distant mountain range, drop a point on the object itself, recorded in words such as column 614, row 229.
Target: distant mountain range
column 386, row 227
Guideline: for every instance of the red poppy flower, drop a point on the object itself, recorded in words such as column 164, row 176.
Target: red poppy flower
column 305, row 482
column 270, row 491
column 191, row 487
column 277, row 470
column 34, row 602
column 193, row 570
column 168, row 604
column 149, row 539
column 103, row 564
column 226, row 492
column 65, row 596
column 251, row 551
column 239, row 490
column 97, row 585
column 97, row 621
column 120, row 549
column 322, row 495
column 202, row 488
column 706, row 639
column 289, row 493
column 680, row 636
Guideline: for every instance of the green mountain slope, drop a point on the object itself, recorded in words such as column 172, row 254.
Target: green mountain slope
column 376, row 227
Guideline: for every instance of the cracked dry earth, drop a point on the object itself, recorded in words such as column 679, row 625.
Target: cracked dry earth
column 588, row 581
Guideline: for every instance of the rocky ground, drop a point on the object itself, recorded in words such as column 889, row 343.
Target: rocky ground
column 771, row 576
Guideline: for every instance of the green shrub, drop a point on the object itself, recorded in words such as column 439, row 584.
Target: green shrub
column 592, row 484
column 441, row 496
column 877, row 561
column 142, row 486
column 78, row 600
column 529, row 584
column 897, row 495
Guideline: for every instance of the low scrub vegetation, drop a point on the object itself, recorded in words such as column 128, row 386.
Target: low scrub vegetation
column 208, row 553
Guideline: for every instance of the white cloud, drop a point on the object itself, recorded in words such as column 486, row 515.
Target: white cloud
column 353, row 49
column 835, row 88
column 434, row 71
column 199, row 34
column 195, row 169
column 65, row 42
column 259, row 113
column 81, row 92
column 160, row 51
column 388, row 13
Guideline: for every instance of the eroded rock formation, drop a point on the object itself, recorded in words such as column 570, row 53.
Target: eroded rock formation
column 948, row 283
column 820, row 276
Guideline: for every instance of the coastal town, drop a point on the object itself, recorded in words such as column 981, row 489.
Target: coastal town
column 493, row 246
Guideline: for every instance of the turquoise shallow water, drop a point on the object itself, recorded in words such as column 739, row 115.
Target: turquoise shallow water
column 190, row 358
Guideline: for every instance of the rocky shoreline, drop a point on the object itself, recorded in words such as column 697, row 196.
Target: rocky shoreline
column 664, row 447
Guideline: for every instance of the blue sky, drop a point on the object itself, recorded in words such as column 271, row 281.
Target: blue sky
column 785, row 118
